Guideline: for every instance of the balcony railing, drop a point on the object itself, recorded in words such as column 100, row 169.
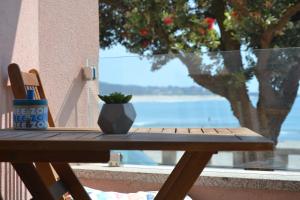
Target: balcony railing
column 257, row 89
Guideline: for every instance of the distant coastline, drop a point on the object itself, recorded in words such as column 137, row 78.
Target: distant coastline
column 161, row 92
column 106, row 88
column 175, row 98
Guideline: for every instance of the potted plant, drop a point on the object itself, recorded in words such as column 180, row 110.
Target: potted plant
column 117, row 114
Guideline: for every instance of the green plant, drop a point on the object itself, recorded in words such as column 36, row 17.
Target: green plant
column 115, row 98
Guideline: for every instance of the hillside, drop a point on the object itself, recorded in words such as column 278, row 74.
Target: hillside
column 106, row 88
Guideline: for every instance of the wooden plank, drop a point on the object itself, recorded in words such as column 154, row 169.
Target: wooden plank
column 140, row 140
column 156, row 130
column 13, row 135
column 30, row 79
column 89, row 136
column 223, row 130
column 30, row 135
column 247, row 135
column 209, row 131
column 73, row 129
column 43, row 136
column 2, row 133
column 142, row 130
column 182, row 130
column 133, row 130
column 70, row 181
column 169, row 130
column 244, row 132
column 68, row 136
column 184, row 175
column 36, row 93
column 44, row 169
column 16, row 80
column 196, row 131
column 54, row 156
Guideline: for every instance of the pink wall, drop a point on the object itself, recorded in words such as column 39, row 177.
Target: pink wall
column 68, row 35
column 18, row 43
column 56, row 37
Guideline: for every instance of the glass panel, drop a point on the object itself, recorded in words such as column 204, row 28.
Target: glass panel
column 257, row 89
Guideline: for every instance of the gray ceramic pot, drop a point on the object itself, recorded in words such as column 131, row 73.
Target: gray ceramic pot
column 116, row 118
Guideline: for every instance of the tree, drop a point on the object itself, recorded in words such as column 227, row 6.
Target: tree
column 187, row 30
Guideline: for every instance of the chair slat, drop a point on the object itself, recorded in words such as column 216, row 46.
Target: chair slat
column 36, row 93
column 30, row 79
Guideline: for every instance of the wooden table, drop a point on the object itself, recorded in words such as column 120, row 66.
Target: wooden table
column 66, row 145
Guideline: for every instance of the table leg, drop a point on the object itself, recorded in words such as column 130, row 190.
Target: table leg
column 35, row 184
column 33, row 181
column 184, row 175
column 70, row 181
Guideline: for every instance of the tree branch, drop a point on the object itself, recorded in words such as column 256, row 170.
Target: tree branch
column 232, row 60
column 228, row 43
column 225, row 86
column 270, row 32
column 291, row 11
column 240, row 6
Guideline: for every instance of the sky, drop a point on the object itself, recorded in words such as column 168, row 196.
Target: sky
column 118, row 66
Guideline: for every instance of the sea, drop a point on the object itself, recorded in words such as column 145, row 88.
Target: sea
column 191, row 111
column 202, row 112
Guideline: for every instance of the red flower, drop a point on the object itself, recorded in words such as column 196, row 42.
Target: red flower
column 168, row 20
column 202, row 31
column 210, row 21
column 143, row 32
column 234, row 14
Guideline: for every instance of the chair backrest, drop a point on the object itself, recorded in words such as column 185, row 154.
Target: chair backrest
column 20, row 83
column 23, row 81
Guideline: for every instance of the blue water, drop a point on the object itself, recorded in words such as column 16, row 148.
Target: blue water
column 205, row 113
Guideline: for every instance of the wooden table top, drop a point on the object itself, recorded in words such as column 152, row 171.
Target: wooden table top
column 187, row 139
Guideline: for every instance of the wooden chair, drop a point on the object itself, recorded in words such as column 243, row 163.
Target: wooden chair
column 54, row 177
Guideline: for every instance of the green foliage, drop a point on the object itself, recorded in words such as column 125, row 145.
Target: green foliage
column 115, row 98
column 151, row 27
column 259, row 17
column 188, row 29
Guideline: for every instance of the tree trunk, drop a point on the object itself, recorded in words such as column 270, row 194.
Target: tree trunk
column 275, row 101
column 269, row 114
